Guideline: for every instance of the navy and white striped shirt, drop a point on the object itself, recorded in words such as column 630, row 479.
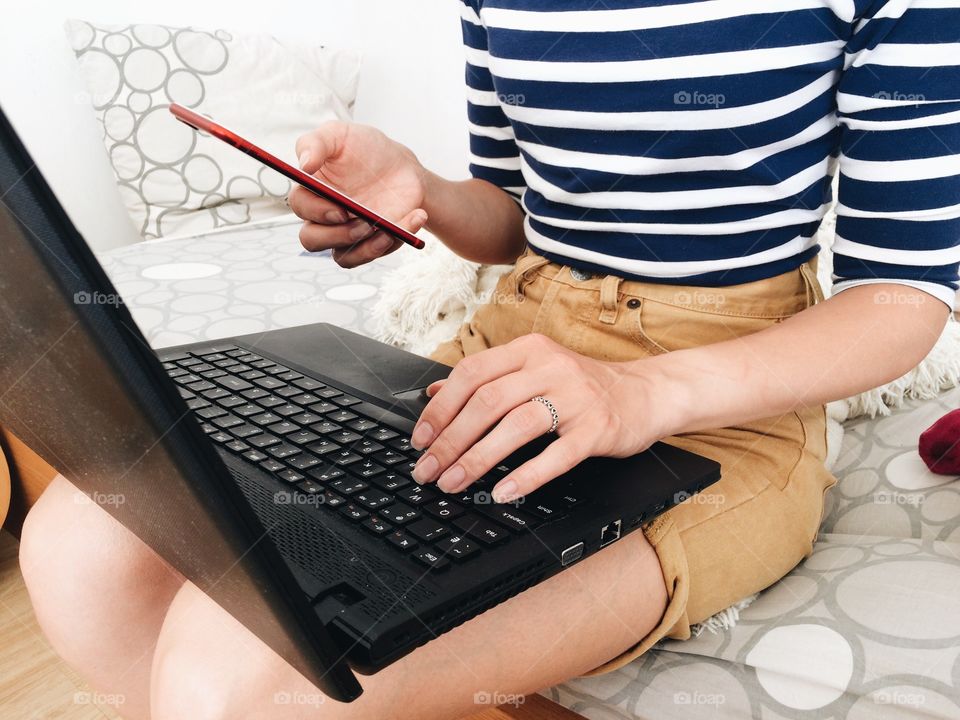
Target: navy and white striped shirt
column 694, row 142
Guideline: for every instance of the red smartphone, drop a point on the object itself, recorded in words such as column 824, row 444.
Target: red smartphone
column 199, row 122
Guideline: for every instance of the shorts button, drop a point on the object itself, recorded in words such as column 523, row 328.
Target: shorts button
column 633, row 303
column 580, row 275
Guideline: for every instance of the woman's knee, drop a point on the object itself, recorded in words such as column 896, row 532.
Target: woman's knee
column 87, row 575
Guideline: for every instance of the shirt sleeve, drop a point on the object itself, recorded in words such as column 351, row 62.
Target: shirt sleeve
column 494, row 155
column 898, row 216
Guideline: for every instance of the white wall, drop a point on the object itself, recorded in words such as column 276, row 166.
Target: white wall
column 411, row 85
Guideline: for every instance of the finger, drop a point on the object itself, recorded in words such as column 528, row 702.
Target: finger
column 487, row 406
column 524, row 423
column 316, row 147
column 316, row 236
column 464, row 380
column 380, row 243
column 310, row 206
column 434, row 387
column 560, row 456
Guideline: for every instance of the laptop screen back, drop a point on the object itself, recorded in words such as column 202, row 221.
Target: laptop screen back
column 80, row 385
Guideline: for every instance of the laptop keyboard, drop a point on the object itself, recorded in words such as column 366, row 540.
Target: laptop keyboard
column 316, row 439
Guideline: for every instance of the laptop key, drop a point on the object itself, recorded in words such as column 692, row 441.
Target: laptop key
column 287, row 392
column 208, row 428
column 457, row 547
column 195, row 403
column 366, row 469
column 247, row 409
column 187, row 379
column 372, row 499
column 325, row 428
column 303, row 398
column 390, row 481
column 346, row 400
column 288, row 376
column 347, row 485
column 367, row 447
column 215, row 394
column 303, row 461
column 283, row 450
column 443, row 509
column 267, row 418
column 401, row 443
column 325, row 474
column 244, row 431
column 382, row 434
column 220, row 437
column 323, row 446
column 270, row 401
column 227, row 421
column 302, row 437
column 376, row 525
column 344, row 437
column 345, row 458
column 234, row 384
column 262, row 364
column 290, row 476
column 230, row 401
column 305, row 418
column 426, row 530
column 401, row 541
column 327, row 393
column 508, row 516
column 361, row 425
column 255, row 456
column 417, row 495
column 332, row 500
column 400, row 514
column 487, row 532
column 431, row 559
column 353, row 512
column 308, row 384
column 545, row 509
column 272, row 465
column 321, row 408
column 269, row 383
column 201, row 385
column 340, row 416
column 278, row 370
column 286, row 410
column 263, row 441
column 208, row 413
column 252, row 374
column 283, row 428
column 389, row 457
column 237, row 446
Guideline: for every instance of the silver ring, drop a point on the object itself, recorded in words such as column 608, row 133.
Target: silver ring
column 551, row 409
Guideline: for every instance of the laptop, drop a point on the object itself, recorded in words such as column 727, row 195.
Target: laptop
column 273, row 470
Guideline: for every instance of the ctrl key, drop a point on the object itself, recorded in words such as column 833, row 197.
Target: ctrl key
column 431, row 559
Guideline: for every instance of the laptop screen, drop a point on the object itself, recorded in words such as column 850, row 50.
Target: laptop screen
column 80, row 385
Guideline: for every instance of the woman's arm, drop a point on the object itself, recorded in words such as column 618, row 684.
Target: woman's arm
column 850, row 343
column 847, row 344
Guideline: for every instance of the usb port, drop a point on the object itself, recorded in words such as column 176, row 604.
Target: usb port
column 610, row 533
column 571, row 554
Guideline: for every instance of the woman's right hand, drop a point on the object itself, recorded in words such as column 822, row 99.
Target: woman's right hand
column 371, row 168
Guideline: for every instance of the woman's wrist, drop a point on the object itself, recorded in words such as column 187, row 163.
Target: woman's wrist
column 659, row 396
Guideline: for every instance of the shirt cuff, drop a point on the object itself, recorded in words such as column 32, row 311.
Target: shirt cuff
column 943, row 293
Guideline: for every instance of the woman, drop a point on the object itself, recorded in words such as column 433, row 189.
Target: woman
column 672, row 161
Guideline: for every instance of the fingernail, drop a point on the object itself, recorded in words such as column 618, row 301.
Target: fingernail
column 382, row 243
column 422, row 435
column 505, row 491
column 425, row 469
column 335, row 216
column 451, row 479
column 304, row 158
column 359, row 232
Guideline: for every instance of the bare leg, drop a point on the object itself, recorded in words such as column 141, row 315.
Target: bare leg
column 99, row 593
column 208, row 666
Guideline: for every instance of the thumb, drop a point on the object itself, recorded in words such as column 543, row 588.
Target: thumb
column 315, row 148
column 414, row 221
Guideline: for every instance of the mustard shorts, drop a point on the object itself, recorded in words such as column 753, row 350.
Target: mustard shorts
column 760, row 520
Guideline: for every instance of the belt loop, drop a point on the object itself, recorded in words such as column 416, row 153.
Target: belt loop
column 809, row 273
column 526, row 264
column 609, row 293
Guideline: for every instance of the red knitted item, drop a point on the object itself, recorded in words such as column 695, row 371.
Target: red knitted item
column 940, row 445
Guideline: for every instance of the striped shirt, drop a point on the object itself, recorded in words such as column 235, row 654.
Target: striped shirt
column 695, row 142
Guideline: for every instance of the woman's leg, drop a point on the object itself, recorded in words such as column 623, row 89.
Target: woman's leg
column 99, row 593
column 207, row 666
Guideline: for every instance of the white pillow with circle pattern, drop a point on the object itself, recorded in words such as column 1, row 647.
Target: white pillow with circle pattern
column 173, row 180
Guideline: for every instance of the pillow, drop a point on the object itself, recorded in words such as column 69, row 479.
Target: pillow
column 172, row 180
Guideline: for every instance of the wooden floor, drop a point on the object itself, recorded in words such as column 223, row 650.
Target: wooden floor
column 34, row 683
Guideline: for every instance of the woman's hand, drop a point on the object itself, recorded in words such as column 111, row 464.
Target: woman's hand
column 604, row 409
column 372, row 169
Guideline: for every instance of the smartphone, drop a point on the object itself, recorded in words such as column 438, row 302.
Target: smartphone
column 205, row 124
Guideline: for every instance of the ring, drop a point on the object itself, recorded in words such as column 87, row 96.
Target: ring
column 551, row 409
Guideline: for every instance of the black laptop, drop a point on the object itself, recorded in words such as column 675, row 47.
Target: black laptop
column 273, row 470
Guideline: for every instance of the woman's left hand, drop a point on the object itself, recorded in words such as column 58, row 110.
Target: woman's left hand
column 604, row 408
